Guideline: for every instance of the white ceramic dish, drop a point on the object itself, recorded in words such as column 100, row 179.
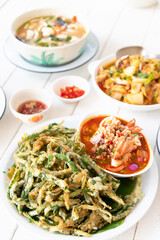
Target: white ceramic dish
column 26, row 95
column 158, row 140
column 13, row 56
column 93, row 70
column 149, row 188
column 69, row 81
column 49, row 56
column 3, row 102
column 141, row 3
column 92, row 115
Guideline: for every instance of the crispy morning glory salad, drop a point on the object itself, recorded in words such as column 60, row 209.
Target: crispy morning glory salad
column 58, row 187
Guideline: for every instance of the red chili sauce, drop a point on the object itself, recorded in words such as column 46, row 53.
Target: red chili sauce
column 31, row 107
column 71, row 92
column 87, row 131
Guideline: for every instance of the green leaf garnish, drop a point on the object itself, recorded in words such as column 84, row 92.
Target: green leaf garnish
column 68, row 39
column 93, row 182
column 39, row 39
column 126, row 186
column 43, row 44
column 49, row 26
column 158, row 67
column 119, row 71
column 145, row 75
column 127, row 77
column 53, row 38
column 135, row 134
column 111, row 73
column 111, row 225
column 150, row 78
column 100, row 151
column 155, row 96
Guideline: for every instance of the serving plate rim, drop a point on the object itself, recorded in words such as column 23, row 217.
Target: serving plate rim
column 5, row 102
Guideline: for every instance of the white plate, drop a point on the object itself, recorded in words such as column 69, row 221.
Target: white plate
column 89, row 52
column 158, row 140
column 3, row 102
column 149, row 188
column 93, row 68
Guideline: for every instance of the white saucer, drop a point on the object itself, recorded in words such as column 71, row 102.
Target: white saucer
column 3, row 102
column 13, row 56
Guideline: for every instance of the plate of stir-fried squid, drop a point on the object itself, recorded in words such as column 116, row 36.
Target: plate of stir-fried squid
column 51, row 187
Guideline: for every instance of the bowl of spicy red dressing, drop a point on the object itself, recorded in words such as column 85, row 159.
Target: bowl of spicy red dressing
column 30, row 105
column 116, row 145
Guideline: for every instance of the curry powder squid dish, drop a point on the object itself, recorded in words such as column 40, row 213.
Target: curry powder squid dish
column 131, row 79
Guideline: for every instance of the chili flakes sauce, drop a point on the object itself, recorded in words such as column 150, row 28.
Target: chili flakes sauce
column 87, row 131
column 31, row 107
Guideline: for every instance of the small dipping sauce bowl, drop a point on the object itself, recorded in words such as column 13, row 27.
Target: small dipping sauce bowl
column 25, row 95
column 70, row 81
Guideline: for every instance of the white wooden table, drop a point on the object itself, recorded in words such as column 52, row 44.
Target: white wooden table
column 115, row 25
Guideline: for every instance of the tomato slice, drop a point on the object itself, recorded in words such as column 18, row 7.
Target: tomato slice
column 74, row 19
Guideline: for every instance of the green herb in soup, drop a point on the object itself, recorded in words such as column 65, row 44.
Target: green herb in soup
column 50, row 31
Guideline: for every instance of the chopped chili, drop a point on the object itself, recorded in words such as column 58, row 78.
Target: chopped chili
column 71, row 92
